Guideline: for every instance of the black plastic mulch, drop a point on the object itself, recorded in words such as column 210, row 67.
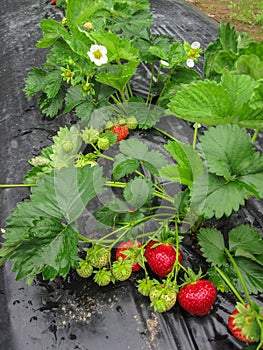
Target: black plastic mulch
column 71, row 314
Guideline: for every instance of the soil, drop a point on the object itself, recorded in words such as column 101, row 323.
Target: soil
column 218, row 10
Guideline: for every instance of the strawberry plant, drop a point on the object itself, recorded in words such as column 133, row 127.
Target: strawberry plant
column 138, row 201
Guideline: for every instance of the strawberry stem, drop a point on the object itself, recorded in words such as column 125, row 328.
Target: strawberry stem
column 17, row 185
column 230, row 285
column 195, row 135
column 165, row 133
column 239, row 276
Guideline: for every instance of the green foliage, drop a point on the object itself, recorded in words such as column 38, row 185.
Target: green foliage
column 235, row 171
column 189, row 165
column 228, row 50
column 132, row 153
column 90, row 70
column 210, row 103
column 53, row 197
column 245, row 245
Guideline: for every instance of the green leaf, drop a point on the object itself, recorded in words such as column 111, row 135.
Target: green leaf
column 50, row 244
column 212, row 196
column 65, row 193
column 203, row 102
column 117, row 76
column 240, row 89
column 227, row 149
column 224, row 61
column 73, row 98
column 124, row 166
column 93, row 117
column 36, row 173
column 247, row 238
column 117, row 46
column 50, row 28
column 134, row 24
column 252, row 274
column 35, row 81
column 229, row 152
column 50, row 107
column 189, row 165
column 79, row 12
column 138, row 192
column 132, row 151
column 108, row 214
column 250, row 65
column 147, row 117
column 228, row 37
column 18, row 224
column 53, row 83
column 212, row 246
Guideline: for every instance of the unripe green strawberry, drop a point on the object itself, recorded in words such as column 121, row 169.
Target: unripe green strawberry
column 98, row 256
column 90, row 135
column 103, row 143
column 145, row 286
column 122, row 269
column 131, row 123
column 85, row 270
column 109, row 125
column 103, row 277
column 162, row 297
column 122, row 121
column 67, row 146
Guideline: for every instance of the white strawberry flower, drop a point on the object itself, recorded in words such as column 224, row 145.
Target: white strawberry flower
column 190, row 63
column 195, row 45
column 98, row 54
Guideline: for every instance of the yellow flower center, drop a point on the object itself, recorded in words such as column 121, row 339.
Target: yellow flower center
column 97, row 54
column 192, row 53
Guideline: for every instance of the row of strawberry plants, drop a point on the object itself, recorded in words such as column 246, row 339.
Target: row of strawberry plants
column 90, row 69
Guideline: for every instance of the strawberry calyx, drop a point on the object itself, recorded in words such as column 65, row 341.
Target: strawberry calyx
column 244, row 319
column 191, row 277
column 122, row 269
column 132, row 251
column 145, row 285
column 103, row 277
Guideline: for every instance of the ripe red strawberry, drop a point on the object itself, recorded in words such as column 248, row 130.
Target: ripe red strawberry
column 161, row 258
column 129, row 250
column 197, row 297
column 122, row 131
column 243, row 323
column 53, row 2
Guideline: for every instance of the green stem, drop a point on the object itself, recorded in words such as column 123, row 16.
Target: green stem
column 195, row 135
column 255, row 136
column 239, row 276
column 158, row 194
column 165, row 133
column 230, row 285
column 83, row 238
column 113, row 233
column 17, row 185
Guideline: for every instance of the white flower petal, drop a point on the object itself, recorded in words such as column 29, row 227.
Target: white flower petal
column 94, row 57
column 190, row 63
column 164, row 63
column 195, row 45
